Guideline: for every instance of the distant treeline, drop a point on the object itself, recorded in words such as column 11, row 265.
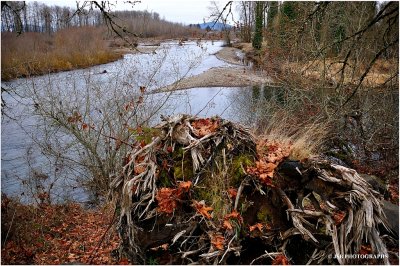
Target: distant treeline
column 37, row 17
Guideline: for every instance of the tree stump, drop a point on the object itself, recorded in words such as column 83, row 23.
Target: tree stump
column 207, row 191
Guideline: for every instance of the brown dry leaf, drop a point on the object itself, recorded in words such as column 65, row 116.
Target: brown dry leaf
column 270, row 154
column 258, row 226
column 268, row 226
column 232, row 192
column 280, row 260
column 203, row 209
column 227, row 225
column 166, row 200
column 338, row 217
column 203, row 127
column 123, row 261
column 139, row 169
column 235, row 215
column 218, row 241
column 365, row 249
column 85, row 126
column 185, row 186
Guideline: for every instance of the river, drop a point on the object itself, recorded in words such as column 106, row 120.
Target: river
column 22, row 131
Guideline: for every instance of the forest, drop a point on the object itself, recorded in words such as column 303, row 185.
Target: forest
column 305, row 156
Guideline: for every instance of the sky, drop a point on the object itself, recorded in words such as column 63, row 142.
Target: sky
column 182, row 11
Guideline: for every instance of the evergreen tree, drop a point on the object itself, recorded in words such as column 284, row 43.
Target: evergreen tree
column 257, row 39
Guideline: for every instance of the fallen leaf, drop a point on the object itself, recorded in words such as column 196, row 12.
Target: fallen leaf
column 218, row 241
column 123, row 261
column 234, row 214
column 232, row 192
column 258, row 226
column 338, row 217
column 138, row 169
column 203, row 209
column 203, row 127
column 166, row 200
column 85, row 126
column 227, row 225
column 185, row 186
column 280, row 260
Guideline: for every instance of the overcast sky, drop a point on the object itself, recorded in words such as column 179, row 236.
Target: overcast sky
column 184, row 11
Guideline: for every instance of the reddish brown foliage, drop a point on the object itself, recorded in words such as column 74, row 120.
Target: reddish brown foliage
column 232, row 193
column 166, row 200
column 168, row 197
column 280, row 260
column 57, row 234
column 270, row 154
column 202, row 209
column 203, row 127
column 258, row 226
column 338, row 217
column 218, row 240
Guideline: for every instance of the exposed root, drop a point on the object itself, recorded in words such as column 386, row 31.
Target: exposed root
column 203, row 190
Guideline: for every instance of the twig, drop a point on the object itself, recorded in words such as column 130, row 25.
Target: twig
column 9, row 228
column 228, row 248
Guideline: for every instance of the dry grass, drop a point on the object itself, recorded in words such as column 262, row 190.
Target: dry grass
column 305, row 140
column 38, row 53
column 312, row 70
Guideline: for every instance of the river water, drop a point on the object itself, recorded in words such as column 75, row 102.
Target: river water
column 24, row 167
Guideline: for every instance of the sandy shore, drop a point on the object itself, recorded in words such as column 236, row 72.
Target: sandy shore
column 237, row 75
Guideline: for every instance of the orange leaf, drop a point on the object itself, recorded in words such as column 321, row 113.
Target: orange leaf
column 258, row 226
column 169, row 149
column 85, row 126
column 233, row 214
column 203, row 127
column 185, row 186
column 338, row 216
column 280, row 260
column 218, row 241
column 203, row 209
column 227, row 225
column 123, row 261
column 139, row 169
column 142, row 143
column 232, row 193
column 166, row 200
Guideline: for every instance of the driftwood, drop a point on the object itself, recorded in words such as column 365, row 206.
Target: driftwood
column 194, row 195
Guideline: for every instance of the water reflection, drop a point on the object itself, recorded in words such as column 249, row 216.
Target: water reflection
column 26, row 136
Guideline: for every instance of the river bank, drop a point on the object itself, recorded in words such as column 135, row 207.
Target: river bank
column 237, row 74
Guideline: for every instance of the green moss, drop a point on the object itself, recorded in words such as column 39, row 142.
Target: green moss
column 264, row 215
column 147, row 134
column 164, row 179
column 183, row 170
column 183, row 165
column 236, row 171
